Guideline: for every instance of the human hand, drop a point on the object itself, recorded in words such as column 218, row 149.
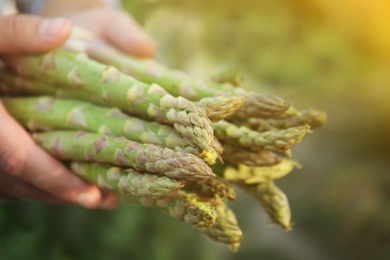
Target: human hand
column 111, row 25
column 26, row 171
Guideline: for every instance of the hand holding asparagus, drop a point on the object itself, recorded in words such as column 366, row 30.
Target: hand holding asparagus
column 171, row 146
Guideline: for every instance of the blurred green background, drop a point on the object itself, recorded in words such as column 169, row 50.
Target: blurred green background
column 330, row 55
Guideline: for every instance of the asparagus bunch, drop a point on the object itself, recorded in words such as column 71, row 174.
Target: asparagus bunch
column 151, row 143
column 107, row 86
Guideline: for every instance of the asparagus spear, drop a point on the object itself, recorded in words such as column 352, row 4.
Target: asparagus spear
column 235, row 155
column 231, row 75
column 127, row 181
column 258, row 181
column 312, row 117
column 107, row 86
column 83, row 146
column 185, row 206
column 45, row 112
column 16, row 85
column 221, row 107
column 178, row 83
column 217, row 108
column 274, row 202
column 277, row 141
column 225, row 229
column 244, row 174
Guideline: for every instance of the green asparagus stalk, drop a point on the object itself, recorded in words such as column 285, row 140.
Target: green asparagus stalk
column 232, row 76
column 244, row 174
column 109, row 87
column 261, row 106
column 277, row 141
column 12, row 84
column 291, row 112
column 274, row 202
column 185, row 206
column 178, row 83
column 235, row 155
column 225, row 229
column 47, row 113
column 255, row 124
column 217, row 108
column 312, row 117
column 127, row 181
column 174, row 81
column 221, row 107
column 83, row 146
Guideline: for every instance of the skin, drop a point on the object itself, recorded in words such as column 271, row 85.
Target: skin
column 26, row 171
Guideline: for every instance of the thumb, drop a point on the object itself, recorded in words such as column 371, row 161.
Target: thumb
column 27, row 33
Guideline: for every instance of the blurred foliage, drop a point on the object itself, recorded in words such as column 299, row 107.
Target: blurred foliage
column 332, row 55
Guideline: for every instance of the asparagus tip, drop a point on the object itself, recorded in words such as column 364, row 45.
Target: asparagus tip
column 209, row 157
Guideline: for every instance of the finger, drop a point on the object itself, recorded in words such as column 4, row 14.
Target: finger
column 11, row 188
column 21, row 158
column 126, row 34
column 5, row 197
column 109, row 200
column 119, row 29
column 27, row 33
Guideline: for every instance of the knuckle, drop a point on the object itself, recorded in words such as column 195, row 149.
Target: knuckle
column 13, row 162
column 15, row 25
column 15, row 30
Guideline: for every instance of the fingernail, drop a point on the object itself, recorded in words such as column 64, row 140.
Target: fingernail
column 52, row 27
column 87, row 200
